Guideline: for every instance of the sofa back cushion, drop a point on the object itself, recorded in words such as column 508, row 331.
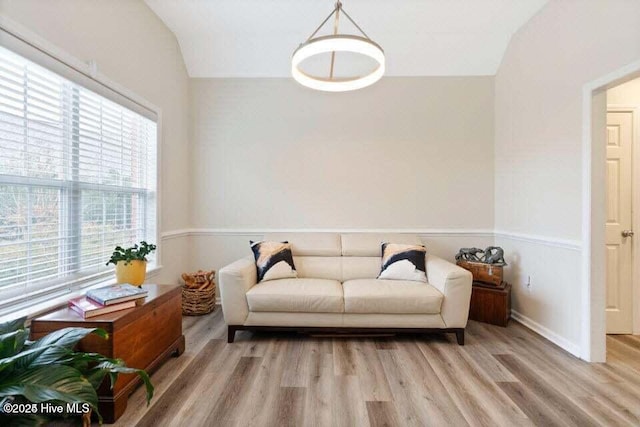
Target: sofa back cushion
column 310, row 244
column 319, row 267
column 370, row 244
column 360, row 267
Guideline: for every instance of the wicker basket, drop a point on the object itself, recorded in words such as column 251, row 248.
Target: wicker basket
column 198, row 293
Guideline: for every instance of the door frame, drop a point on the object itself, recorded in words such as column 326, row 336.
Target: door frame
column 593, row 297
column 634, row 109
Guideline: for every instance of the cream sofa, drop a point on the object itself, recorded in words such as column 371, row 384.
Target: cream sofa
column 337, row 290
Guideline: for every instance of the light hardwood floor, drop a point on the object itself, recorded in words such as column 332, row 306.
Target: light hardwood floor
column 501, row 377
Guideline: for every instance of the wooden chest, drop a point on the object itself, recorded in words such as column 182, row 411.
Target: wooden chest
column 143, row 336
column 491, row 304
column 482, row 272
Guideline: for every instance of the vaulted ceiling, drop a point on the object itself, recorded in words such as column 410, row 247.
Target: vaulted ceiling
column 255, row 38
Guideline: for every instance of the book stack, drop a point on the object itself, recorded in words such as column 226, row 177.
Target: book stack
column 107, row 300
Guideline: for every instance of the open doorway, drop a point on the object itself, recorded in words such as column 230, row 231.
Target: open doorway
column 622, row 203
column 596, row 214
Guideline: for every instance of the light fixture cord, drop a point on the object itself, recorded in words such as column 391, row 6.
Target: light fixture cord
column 335, row 32
column 335, row 11
column 354, row 23
column 321, row 25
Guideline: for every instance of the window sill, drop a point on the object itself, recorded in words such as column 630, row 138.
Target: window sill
column 34, row 310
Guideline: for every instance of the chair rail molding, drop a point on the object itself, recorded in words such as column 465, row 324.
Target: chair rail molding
column 445, row 232
column 174, row 234
column 574, row 245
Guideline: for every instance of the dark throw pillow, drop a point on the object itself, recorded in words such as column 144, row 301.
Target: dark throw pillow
column 273, row 260
column 403, row 262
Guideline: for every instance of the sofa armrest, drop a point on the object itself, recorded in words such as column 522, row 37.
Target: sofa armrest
column 455, row 283
column 235, row 280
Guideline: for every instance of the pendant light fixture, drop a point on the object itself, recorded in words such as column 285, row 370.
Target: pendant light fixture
column 337, row 43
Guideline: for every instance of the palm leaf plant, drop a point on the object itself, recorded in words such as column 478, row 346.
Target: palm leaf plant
column 50, row 370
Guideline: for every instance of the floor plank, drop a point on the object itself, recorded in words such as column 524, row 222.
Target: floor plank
column 344, row 358
column 486, row 361
column 265, row 390
column 226, row 409
column 373, row 382
column 298, row 361
column 349, row 409
column 629, row 340
column 383, row 414
column 289, row 407
column 546, row 392
column 385, row 343
column 418, row 393
column 167, row 404
column 319, row 398
column 199, row 403
column 605, row 415
column 481, row 401
column 537, row 411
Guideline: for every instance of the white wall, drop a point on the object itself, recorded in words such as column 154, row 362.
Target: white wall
column 406, row 153
column 132, row 47
column 538, row 117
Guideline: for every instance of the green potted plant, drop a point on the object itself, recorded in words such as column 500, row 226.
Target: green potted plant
column 49, row 371
column 131, row 263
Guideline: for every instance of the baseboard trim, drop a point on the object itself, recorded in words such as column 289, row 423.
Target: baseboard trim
column 546, row 333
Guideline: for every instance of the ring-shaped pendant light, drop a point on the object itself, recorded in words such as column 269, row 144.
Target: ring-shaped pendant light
column 337, row 43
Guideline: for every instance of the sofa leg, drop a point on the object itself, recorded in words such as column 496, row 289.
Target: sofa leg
column 460, row 336
column 231, row 333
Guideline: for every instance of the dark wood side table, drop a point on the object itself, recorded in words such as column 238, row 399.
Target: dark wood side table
column 143, row 336
column 491, row 304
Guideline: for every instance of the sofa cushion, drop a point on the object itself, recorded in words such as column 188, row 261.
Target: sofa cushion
column 297, row 295
column 390, row 296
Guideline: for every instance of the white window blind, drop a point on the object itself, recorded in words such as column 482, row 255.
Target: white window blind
column 77, row 178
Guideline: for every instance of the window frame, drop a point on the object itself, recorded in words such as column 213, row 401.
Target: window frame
column 34, row 48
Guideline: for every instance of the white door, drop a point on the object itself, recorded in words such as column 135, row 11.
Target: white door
column 619, row 239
